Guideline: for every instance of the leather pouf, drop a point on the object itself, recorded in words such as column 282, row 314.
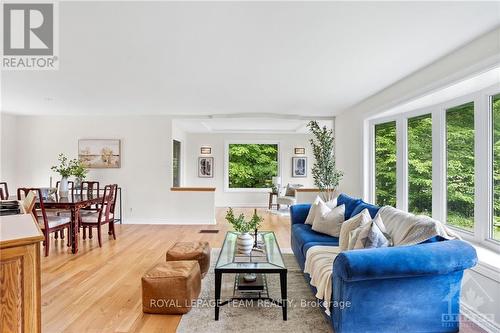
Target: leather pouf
column 171, row 287
column 199, row 251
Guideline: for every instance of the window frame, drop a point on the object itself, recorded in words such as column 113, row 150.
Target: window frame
column 226, row 164
column 483, row 165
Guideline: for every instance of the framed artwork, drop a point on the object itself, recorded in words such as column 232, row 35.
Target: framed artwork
column 99, row 153
column 299, row 167
column 205, row 167
column 206, row 150
column 299, row 151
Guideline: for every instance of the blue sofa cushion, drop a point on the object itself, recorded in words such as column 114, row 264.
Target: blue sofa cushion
column 349, row 202
column 303, row 234
column 362, row 205
column 298, row 213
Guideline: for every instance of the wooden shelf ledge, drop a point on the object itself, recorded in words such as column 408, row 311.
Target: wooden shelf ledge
column 192, row 189
column 307, row 189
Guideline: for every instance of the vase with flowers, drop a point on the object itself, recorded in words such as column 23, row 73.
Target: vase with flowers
column 65, row 170
column 245, row 241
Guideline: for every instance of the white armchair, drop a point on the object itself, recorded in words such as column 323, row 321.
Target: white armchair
column 287, row 195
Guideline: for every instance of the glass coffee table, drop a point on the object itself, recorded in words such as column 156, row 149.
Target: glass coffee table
column 270, row 261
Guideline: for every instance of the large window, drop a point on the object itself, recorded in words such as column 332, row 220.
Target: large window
column 460, row 166
column 420, row 165
column 495, row 108
column 252, row 165
column 385, row 164
column 448, row 164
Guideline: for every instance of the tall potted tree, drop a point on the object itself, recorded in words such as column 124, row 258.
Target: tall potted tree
column 325, row 174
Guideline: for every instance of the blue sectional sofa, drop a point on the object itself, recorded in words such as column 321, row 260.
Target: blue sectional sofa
column 396, row 289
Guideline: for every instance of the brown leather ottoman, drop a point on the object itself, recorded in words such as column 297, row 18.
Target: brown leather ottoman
column 170, row 287
column 191, row 251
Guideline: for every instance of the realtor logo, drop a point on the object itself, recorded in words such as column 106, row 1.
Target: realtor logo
column 29, row 36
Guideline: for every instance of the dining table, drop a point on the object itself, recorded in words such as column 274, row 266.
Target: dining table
column 73, row 203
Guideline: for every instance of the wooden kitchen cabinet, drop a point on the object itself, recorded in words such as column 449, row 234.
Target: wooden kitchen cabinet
column 20, row 238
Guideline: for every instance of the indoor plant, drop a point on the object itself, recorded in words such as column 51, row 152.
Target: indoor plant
column 65, row 169
column 80, row 172
column 245, row 241
column 325, row 174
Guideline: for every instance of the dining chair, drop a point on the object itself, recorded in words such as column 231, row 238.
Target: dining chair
column 28, row 203
column 102, row 215
column 89, row 188
column 4, row 191
column 48, row 223
column 71, row 189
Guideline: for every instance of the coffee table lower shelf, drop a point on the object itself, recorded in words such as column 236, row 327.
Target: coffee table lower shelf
column 264, row 295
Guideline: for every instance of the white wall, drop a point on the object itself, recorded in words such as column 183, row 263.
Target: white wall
column 146, row 148
column 217, row 142
column 8, row 147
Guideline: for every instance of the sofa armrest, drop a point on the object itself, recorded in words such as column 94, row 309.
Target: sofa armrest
column 298, row 213
column 405, row 261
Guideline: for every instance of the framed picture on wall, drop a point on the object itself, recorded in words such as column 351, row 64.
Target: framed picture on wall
column 99, row 153
column 205, row 167
column 299, row 167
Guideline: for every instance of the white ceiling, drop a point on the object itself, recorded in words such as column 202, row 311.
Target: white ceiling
column 314, row 59
column 259, row 124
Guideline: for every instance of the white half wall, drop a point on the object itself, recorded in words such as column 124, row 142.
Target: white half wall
column 217, row 142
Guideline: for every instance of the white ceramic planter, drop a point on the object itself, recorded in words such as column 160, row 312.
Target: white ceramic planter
column 63, row 187
column 244, row 243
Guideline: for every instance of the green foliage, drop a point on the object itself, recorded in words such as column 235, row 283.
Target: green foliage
column 67, row 168
column 240, row 225
column 420, row 165
column 252, row 165
column 79, row 170
column 325, row 174
column 460, row 166
column 385, row 164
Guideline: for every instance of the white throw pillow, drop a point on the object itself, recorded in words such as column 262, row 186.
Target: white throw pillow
column 328, row 221
column 314, row 208
column 353, row 237
column 354, row 222
column 372, row 235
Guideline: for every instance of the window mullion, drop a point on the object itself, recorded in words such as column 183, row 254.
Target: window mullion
column 439, row 164
column 483, row 167
column 402, row 164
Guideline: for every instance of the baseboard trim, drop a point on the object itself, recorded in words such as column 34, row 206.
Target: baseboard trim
column 169, row 221
column 472, row 315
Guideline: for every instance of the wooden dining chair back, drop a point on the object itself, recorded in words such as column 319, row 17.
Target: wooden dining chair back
column 28, row 203
column 103, row 214
column 89, row 188
column 48, row 223
column 4, row 191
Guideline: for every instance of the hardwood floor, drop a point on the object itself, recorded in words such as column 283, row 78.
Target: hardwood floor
column 99, row 289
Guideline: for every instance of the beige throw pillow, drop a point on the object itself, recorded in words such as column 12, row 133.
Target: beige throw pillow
column 372, row 235
column 314, row 208
column 328, row 221
column 353, row 223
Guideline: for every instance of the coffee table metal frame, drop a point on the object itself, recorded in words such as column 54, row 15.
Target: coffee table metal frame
column 274, row 265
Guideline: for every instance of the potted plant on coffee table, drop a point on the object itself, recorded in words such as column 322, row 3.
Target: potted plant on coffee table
column 245, row 241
